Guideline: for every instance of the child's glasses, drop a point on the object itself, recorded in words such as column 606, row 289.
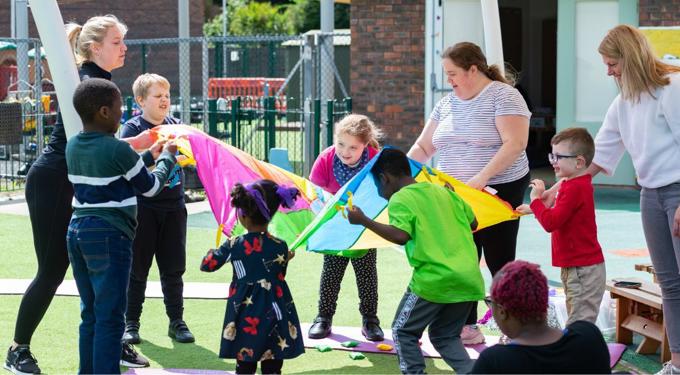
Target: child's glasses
column 554, row 158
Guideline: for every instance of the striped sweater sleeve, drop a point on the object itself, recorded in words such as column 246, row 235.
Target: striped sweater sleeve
column 147, row 183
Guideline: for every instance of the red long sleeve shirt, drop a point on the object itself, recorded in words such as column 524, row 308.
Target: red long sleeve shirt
column 571, row 222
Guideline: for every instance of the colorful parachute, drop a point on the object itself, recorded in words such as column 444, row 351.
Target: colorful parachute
column 220, row 166
column 331, row 231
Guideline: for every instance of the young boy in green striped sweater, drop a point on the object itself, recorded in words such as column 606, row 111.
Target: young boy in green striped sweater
column 106, row 174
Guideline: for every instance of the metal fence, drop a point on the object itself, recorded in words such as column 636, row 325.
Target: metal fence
column 255, row 92
column 27, row 108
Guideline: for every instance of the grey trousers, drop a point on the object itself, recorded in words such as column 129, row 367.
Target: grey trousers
column 444, row 321
column 657, row 207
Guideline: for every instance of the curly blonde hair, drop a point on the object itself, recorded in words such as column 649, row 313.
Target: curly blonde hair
column 359, row 126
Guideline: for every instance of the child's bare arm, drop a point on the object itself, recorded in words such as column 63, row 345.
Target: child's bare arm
column 386, row 231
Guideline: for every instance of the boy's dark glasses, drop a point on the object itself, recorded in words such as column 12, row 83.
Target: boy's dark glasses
column 554, row 158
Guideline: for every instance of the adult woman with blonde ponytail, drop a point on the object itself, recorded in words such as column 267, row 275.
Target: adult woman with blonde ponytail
column 98, row 49
column 644, row 119
column 480, row 131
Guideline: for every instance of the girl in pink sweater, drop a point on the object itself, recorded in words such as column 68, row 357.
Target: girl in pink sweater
column 355, row 144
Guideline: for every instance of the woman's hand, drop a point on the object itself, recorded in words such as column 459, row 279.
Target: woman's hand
column 676, row 223
column 477, row 182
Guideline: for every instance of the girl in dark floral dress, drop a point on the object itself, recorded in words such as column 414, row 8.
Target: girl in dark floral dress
column 261, row 323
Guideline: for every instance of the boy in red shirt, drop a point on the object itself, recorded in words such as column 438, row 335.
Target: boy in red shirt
column 571, row 221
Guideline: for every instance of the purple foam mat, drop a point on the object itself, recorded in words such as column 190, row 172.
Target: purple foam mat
column 342, row 334
column 170, row 371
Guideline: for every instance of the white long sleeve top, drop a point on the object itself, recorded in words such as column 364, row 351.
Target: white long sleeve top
column 649, row 130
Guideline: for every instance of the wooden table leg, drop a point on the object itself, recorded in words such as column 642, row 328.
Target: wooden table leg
column 623, row 335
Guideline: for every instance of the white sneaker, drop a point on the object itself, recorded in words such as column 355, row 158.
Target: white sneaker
column 471, row 335
column 668, row 369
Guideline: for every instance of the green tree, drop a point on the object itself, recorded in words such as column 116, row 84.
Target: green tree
column 251, row 18
column 306, row 15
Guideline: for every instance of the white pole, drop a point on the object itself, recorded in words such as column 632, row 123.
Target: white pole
column 327, row 51
column 224, row 33
column 492, row 34
column 184, row 61
column 50, row 26
column 19, row 10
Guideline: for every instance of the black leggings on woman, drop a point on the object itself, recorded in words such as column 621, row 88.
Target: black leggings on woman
column 49, row 195
column 499, row 242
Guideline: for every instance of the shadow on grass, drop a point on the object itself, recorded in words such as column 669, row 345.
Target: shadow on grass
column 184, row 356
column 379, row 364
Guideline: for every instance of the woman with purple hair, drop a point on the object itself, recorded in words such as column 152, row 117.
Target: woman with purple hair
column 519, row 302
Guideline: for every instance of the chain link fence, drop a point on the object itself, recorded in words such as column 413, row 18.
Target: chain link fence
column 27, row 108
column 257, row 93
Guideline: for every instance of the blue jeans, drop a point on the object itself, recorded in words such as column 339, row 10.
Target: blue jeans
column 101, row 256
column 657, row 208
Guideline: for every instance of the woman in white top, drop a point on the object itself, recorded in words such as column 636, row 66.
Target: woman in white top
column 480, row 131
column 644, row 119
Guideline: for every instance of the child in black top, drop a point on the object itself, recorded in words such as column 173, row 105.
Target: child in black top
column 162, row 229
column 261, row 323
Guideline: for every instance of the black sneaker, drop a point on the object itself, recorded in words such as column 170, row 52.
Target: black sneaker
column 130, row 358
column 131, row 335
column 21, row 361
column 321, row 328
column 371, row 330
column 179, row 331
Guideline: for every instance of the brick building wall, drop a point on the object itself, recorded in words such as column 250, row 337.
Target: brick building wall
column 388, row 66
column 145, row 19
column 659, row 12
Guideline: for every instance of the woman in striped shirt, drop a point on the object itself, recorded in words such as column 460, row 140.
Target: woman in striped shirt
column 480, row 131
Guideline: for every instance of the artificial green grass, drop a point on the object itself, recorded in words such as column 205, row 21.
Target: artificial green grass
column 55, row 342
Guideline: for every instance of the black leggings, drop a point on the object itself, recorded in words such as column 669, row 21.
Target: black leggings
column 49, row 195
column 366, row 273
column 161, row 234
column 270, row 366
column 499, row 242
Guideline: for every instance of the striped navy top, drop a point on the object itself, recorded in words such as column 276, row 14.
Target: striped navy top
column 107, row 174
column 466, row 136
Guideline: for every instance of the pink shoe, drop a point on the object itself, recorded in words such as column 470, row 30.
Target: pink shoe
column 471, row 335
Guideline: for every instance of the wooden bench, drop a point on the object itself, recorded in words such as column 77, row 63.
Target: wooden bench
column 640, row 311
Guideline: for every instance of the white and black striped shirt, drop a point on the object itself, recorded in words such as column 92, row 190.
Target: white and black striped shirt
column 466, row 136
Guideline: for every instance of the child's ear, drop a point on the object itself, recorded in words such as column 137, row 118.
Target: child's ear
column 384, row 178
column 104, row 112
column 580, row 162
column 139, row 100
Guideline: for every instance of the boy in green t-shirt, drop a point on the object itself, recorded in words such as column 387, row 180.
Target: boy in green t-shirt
column 435, row 225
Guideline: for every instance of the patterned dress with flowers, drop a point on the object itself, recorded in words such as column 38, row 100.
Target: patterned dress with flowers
column 261, row 321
